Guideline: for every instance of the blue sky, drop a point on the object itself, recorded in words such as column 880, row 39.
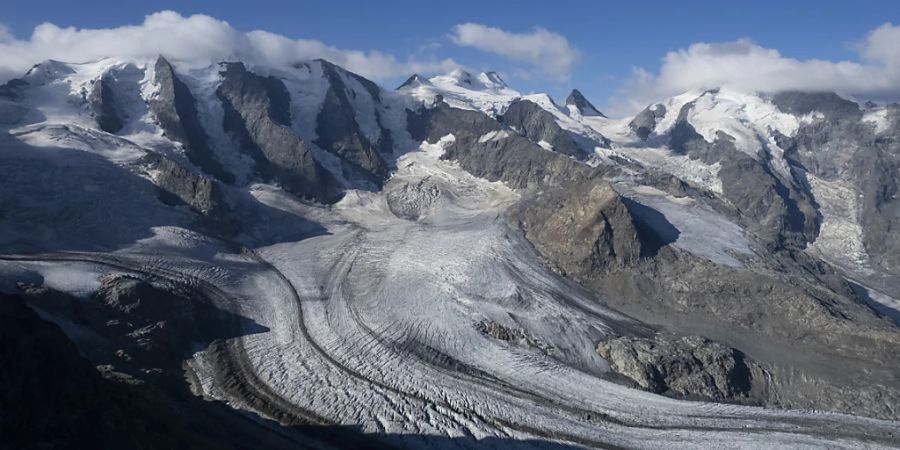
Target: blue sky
column 611, row 38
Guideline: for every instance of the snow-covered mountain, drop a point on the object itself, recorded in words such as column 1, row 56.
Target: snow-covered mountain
column 454, row 257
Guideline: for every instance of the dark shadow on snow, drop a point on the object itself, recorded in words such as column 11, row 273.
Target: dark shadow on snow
column 652, row 226
column 56, row 199
column 863, row 293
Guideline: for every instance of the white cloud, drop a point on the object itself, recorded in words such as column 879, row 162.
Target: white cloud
column 744, row 64
column 198, row 38
column 549, row 52
column 5, row 34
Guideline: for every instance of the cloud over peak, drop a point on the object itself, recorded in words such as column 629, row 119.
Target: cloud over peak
column 548, row 52
column 199, row 39
column 745, row 65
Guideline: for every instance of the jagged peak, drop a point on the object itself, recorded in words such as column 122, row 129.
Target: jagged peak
column 414, row 81
column 458, row 77
column 578, row 101
column 330, row 69
column 493, row 78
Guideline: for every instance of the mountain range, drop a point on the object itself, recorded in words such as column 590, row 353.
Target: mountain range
column 305, row 258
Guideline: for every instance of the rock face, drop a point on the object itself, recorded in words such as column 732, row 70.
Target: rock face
column 339, row 133
column 175, row 109
column 683, row 367
column 881, row 208
column 831, row 105
column 582, row 105
column 257, row 113
column 582, row 228
column 644, row 123
column 103, row 103
column 485, row 148
column 537, row 125
column 840, row 148
column 202, row 194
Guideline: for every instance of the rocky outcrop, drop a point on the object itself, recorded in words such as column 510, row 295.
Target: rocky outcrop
column 11, row 90
column 582, row 105
column 339, row 133
column 645, row 121
column 412, row 200
column 202, row 194
column 257, row 113
column 582, row 228
column 154, row 323
column 134, row 297
column 829, row 104
column 103, row 104
column 688, row 367
column 513, row 335
column 176, row 111
column 536, row 124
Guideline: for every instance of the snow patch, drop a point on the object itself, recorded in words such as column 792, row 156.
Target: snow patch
column 878, row 118
column 749, row 119
column 461, row 89
column 701, row 230
column 493, row 136
column 690, row 170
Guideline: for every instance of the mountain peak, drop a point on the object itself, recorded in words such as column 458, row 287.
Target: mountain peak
column 577, row 100
column 413, row 82
column 484, row 81
column 460, row 76
column 492, row 78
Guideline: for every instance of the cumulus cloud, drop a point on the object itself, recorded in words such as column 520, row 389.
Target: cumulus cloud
column 744, row 64
column 548, row 52
column 197, row 39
